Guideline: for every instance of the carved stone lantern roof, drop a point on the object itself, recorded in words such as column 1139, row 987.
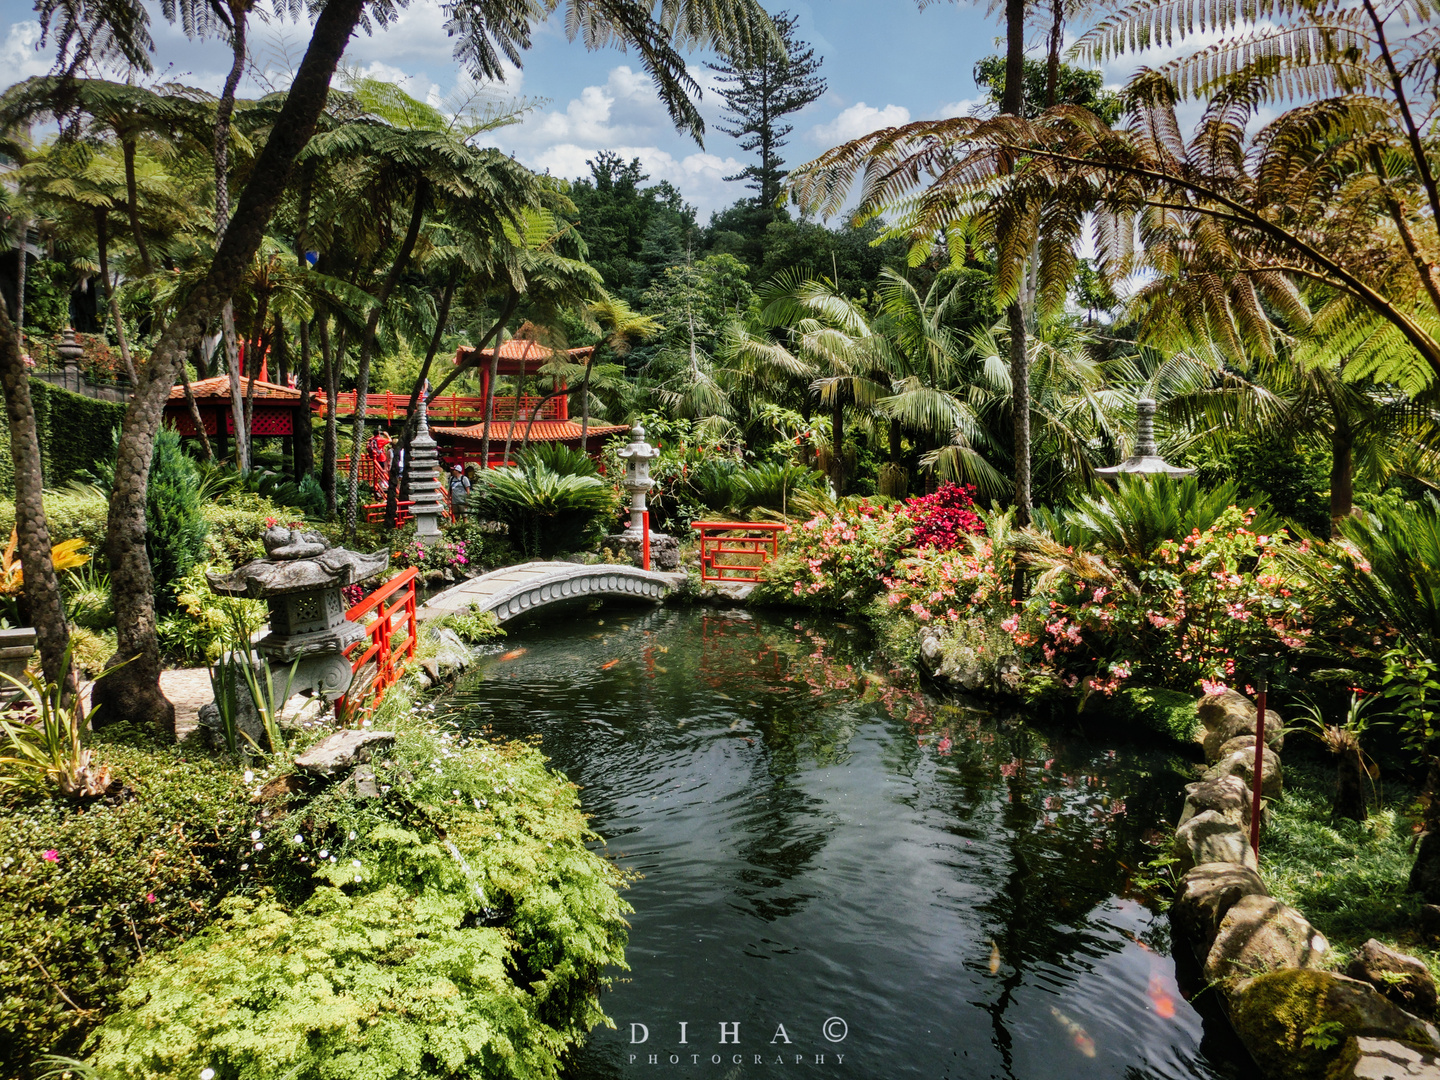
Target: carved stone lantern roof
column 298, row 561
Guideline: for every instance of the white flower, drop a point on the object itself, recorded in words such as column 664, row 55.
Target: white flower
column 249, row 779
column 255, row 835
column 324, row 854
column 298, row 839
column 207, row 1074
column 455, row 791
column 354, row 862
column 259, row 846
column 352, row 834
column 244, row 866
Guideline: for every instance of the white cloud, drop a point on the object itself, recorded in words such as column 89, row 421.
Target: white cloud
column 18, row 54
column 859, row 119
column 963, row 107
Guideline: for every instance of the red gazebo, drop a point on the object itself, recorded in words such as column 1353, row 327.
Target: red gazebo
column 278, row 410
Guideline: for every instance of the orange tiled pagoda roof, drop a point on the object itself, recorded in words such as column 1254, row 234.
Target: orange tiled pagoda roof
column 217, row 389
column 543, row 431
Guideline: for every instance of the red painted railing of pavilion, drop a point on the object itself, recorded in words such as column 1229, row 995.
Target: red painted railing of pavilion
column 451, row 409
column 722, row 542
column 379, row 646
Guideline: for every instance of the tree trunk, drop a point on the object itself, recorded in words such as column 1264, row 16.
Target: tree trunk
column 237, row 400
column 837, row 444
column 129, row 690
column 412, row 415
column 1020, row 399
column 519, row 393
column 304, row 434
column 329, row 444
column 132, row 206
column 42, row 586
column 102, row 237
column 21, row 266
column 367, row 348
column 195, row 412
column 585, row 406
column 1342, row 475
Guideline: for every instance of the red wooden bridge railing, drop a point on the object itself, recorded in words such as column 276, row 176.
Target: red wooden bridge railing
column 380, row 645
column 723, row 542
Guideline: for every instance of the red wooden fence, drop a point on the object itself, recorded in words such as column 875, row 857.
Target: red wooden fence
column 757, row 542
column 389, row 658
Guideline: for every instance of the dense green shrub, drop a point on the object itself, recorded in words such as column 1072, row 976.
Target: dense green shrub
column 76, row 435
column 175, row 527
column 484, row 916
column 73, row 511
column 545, row 512
column 83, row 890
column 197, row 631
column 487, row 911
column 237, row 524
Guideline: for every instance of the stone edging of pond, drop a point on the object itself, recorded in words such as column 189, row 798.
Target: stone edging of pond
column 1263, row 957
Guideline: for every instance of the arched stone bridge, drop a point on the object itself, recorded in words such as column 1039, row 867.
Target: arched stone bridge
column 517, row 590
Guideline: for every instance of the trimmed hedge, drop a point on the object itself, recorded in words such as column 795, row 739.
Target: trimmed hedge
column 75, row 435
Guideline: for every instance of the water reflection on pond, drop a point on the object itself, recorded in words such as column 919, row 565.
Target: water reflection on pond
column 820, row 841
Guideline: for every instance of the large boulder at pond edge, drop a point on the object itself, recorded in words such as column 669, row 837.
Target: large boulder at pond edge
column 1364, row 1058
column 1275, row 1013
column 1403, row 979
column 1229, row 713
column 1225, row 795
column 1206, row 894
column 1209, row 838
column 1258, row 935
column 1241, row 764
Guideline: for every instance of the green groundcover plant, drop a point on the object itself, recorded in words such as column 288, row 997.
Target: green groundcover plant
column 459, row 924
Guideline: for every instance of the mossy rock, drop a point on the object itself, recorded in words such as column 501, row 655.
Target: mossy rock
column 1296, row 1022
column 1168, row 713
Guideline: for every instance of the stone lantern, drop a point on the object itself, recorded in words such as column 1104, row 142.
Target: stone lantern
column 70, row 352
column 637, row 457
column 423, row 468
column 664, row 549
column 300, row 580
column 1146, row 460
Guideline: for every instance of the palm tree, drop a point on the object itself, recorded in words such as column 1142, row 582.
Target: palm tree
column 487, row 36
column 623, row 328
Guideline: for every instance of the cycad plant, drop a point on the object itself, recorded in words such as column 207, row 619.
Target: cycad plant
column 546, row 512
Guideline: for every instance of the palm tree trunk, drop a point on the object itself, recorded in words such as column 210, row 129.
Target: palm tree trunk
column 329, row 445
column 304, row 437
column 195, row 413
column 132, row 205
column 1020, row 398
column 837, row 444
column 23, row 225
column 585, row 406
column 519, row 393
column 367, row 348
column 102, row 237
column 129, row 690
column 1342, row 475
column 42, row 587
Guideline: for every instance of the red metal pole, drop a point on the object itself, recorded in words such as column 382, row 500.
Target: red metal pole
column 645, row 541
column 1256, row 783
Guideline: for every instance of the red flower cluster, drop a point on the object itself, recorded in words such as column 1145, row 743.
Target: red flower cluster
column 941, row 519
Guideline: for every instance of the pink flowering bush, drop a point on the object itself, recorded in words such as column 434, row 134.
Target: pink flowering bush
column 944, row 519
column 1186, row 615
column 437, row 555
column 838, row 559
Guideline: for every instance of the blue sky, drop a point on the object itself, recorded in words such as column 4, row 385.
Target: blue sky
column 887, row 61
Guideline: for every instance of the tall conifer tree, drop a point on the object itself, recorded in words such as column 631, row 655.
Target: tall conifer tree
column 759, row 95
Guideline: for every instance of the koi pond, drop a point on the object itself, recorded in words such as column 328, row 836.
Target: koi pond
column 838, row 874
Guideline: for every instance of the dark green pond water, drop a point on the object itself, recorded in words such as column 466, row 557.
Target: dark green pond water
column 842, row 875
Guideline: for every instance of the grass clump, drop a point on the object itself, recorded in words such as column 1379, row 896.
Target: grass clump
column 1348, row 878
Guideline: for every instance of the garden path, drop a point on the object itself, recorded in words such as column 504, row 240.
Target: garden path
column 187, row 689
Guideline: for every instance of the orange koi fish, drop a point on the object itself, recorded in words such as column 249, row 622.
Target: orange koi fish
column 1078, row 1035
column 1164, row 1003
column 609, row 664
column 513, row 654
column 994, row 959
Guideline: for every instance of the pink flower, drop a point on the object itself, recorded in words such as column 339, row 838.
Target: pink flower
column 150, row 898
column 50, row 855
